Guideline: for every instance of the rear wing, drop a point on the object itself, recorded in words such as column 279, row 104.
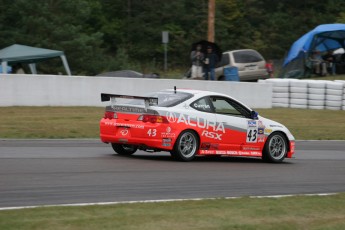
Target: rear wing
column 149, row 101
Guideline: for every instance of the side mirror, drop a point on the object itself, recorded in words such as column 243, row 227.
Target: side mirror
column 254, row 115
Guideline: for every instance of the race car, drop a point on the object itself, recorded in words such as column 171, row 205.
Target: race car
column 189, row 123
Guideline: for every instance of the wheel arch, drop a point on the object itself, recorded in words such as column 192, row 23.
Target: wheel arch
column 285, row 136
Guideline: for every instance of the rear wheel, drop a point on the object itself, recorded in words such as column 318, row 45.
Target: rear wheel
column 275, row 148
column 186, row 146
column 123, row 149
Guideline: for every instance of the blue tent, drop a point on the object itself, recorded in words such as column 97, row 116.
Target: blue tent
column 323, row 37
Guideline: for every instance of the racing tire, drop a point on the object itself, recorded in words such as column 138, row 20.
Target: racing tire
column 334, row 103
column 280, row 95
column 316, row 90
column 299, row 95
column 316, row 102
column 299, row 84
column 123, row 149
column 335, row 85
column 298, row 90
column 334, row 92
column 278, row 82
column 316, row 84
column 334, row 97
column 275, row 149
column 316, row 96
column 280, row 89
column 186, row 146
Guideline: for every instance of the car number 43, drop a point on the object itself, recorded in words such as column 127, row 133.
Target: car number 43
column 252, row 134
column 152, row 132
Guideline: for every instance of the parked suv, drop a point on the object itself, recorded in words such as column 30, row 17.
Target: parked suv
column 250, row 65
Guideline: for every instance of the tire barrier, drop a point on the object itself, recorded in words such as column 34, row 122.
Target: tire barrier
column 311, row 94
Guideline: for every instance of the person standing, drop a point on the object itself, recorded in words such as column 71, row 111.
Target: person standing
column 197, row 57
column 210, row 63
column 269, row 68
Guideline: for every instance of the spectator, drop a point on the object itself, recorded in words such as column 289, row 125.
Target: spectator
column 330, row 61
column 197, row 58
column 318, row 64
column 18, row 69
column 210, row 63
column 269, row 68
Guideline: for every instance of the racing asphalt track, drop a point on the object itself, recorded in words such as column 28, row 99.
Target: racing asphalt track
column 45, row 172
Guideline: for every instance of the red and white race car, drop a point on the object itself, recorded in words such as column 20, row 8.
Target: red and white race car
column 188, row 123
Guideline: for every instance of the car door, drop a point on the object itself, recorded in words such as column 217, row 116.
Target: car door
column 240, row 131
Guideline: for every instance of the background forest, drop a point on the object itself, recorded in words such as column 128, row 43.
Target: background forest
column 107, row 35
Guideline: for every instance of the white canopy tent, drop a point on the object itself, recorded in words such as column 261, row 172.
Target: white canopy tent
column 31, row 55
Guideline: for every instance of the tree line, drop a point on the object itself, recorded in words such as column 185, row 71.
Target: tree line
column 107, row 35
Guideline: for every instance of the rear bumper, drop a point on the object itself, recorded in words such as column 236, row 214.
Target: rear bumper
column 161, row 144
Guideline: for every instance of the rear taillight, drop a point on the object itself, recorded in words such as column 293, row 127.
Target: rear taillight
column 110, row 115
column 153, row 119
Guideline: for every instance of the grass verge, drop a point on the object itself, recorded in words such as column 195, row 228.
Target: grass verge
column 83, row 122
column 301, row 212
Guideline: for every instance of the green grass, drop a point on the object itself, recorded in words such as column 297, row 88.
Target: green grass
column 50, row 122
column 83, row 122
column 308, row 124
column 312, row 212
column 330, row 77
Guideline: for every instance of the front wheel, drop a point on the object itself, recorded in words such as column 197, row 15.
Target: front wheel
column 275, row 148
column 123, row 149
column 186, row 146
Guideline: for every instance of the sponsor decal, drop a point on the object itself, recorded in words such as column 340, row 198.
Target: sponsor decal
column 124, row 132
column 168, row 130
column 261, row 138
column 168, row 134
column 261, row 130
column 128, row 109
column 268, row 131
column 195, row 122
column 109, row 123
column 166, row 144
column 231, row 153
column 251, row 123
column 251, row 148
column 171, row 117
column 203, row 107
column 212, row 135
column 276, row 126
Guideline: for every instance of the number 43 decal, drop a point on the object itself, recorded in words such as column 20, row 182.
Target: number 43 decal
column 152, row 132
column 252, row 134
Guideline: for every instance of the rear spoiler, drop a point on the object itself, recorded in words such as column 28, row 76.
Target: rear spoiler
column 149, row 101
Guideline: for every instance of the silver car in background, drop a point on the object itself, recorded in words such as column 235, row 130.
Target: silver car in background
column 250, row 64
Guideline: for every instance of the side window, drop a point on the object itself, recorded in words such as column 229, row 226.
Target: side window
column 228, row 107
column 202, row 104
column 247, row 56
column 225, row 60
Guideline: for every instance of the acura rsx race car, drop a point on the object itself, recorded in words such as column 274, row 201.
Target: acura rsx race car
column 188, row 123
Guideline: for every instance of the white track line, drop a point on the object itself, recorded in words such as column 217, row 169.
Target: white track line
column 158, row 201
